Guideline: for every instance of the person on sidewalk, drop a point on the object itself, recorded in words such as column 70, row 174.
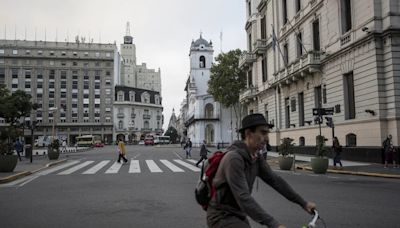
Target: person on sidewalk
column 389, row 151
column 19, row 147
column 203, row 153
column 188, row 149
column 234, row 180
column 337, row 150
column 64, row 147
column 121, row 151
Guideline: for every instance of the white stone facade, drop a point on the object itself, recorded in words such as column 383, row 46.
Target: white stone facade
column 347, row 59
column 204, row 118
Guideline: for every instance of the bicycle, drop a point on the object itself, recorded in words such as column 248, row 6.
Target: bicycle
column 313, row 222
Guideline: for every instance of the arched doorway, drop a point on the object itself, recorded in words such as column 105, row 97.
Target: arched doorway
column 209, row 134
column 120, row 136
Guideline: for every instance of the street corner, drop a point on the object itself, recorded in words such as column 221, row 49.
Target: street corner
column 14, row 176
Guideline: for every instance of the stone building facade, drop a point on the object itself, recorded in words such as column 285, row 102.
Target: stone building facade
column 306, row 54
column 73, row 84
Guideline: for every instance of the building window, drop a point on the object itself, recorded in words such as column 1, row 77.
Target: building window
column 266, row 115
column 120, row 96
column 264, row 68
column 316, row 42
column 301, row 109
column 250, row 78
column 284, row 11
column 351, row 139
column 249, row 8
column 318, row 97
column 345, row 7
column 202, row 62
column 299, row 45
column 131, row 96
column 120, row 124
column 15, row 52
column 298, row 5
column 349, row 100
column 1, row 51
column 302, row 141
column 51, row 52
column 287, row 113
column 209, row 111
column 249, row 43
column 263, row 28
column 293, row 104
column 324, row 97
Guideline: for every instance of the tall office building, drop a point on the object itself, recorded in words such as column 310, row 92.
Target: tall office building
column 73, row 84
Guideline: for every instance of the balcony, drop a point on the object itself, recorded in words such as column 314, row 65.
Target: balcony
column 260, row 46
column 146, row 129
column 248, row 95
column 146, row 116
column 308, row 63
column 120, row 129
column 246, row 59
column 133, row 115
column 121, row 115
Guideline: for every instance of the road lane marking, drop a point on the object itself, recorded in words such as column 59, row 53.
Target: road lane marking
column 114, row 168
column 55, row 169
column 177, row 155
column 187, row 165
column 153, row 166
column 171, row 166
column 134, row 167
column 75, row 168
column 96, row 168
column 192, row 161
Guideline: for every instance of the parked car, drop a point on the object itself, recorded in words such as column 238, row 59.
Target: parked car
column 141, row 142
column 149, row 141
column 98, row 144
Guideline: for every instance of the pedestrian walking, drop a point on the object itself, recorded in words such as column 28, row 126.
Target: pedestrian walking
column 337, row 150
column 234, row 180
column 64, row 147
column 188, row 149
column 203, row 152
column 121, row 151
column 389, row 151
column 19, row 147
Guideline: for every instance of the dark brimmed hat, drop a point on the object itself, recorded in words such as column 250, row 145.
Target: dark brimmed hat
column 253, row 120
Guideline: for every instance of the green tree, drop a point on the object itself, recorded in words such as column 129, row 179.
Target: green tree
column 227, row 80
column 13, row 106
column 172, row 133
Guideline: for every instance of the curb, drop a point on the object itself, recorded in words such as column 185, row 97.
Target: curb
column 27, row 173
column 308, row 168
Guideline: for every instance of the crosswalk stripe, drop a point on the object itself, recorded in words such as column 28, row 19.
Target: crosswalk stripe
column 55, row 169
column 134, row 167
column 192, row 161
column 187, row 165
column 171, row 166
column 153, row 166
column 75, row 168
column 114, row 168
column 96, row 168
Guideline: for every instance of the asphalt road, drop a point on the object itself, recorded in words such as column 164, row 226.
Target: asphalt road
column 153, row 193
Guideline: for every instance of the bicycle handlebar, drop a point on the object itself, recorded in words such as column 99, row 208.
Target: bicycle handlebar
column 314, row 219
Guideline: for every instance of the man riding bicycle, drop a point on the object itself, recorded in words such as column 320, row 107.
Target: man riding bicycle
column 234, row 180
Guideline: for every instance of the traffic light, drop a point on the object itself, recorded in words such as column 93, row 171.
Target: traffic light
column 329, row 121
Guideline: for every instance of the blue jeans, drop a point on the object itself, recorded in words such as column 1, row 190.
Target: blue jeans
column 188, row 152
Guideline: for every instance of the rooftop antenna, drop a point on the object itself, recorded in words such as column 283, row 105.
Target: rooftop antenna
column 201, row 33
column 128, row 30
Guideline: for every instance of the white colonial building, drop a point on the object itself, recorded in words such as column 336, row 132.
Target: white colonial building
column 137, row 102
column 336, row 53
column 204, row 118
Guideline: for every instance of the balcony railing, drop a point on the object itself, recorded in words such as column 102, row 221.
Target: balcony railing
column 133, row 115
column 248, row 94
column 146, row 116
column 247, row 59
column 121, row 115
column 260, row 46
column 146, row 129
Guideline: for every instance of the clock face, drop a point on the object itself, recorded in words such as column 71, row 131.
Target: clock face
column 127, row 40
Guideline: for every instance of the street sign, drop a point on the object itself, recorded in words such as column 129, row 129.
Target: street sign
column 322, row 111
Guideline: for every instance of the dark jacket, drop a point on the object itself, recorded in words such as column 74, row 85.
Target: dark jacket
column 234, row 182
column 203, row 150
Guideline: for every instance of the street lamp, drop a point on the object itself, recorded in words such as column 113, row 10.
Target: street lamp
column 53, row 110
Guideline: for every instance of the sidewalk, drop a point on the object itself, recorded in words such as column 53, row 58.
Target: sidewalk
column 25, row 168
column 349, row 167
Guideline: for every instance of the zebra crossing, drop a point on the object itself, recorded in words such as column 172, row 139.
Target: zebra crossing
column 134, row 167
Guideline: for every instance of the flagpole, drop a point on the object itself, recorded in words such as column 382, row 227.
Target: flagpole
column 275, row 42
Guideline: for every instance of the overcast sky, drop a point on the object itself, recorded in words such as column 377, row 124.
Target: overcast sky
column 162, row 30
